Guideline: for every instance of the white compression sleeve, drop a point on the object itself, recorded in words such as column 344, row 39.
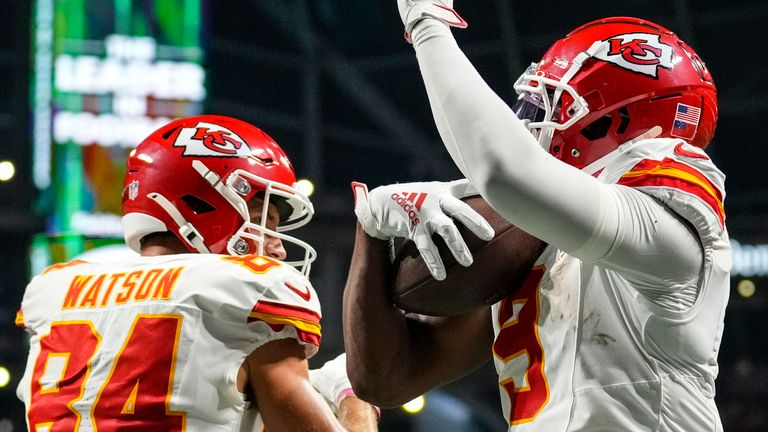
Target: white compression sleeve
column 551, row 200
column 545, row 197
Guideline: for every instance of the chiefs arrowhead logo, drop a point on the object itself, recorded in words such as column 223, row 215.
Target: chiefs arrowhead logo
column 638, row 52
column 208, row 139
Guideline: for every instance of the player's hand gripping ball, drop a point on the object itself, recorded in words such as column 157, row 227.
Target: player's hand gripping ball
column 417, row 211
column 500, row 266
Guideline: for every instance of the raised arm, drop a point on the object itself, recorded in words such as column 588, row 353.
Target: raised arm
column 545, row 197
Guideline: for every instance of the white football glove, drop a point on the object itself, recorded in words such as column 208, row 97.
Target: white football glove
column 331, row 381
column 413, row 11
column 417, row 210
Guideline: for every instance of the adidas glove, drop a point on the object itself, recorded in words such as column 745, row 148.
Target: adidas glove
column 413, row 11
column 417, row 210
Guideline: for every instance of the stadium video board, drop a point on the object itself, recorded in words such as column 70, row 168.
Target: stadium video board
column 106, row 73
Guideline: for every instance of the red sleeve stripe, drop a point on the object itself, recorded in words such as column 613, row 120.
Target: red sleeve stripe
column 286, row 310
column 669, row 173
column 305, row 321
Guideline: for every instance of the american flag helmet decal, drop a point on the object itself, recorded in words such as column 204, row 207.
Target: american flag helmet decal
column 686, row 121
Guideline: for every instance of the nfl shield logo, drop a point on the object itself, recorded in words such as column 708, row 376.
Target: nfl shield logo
column 133, row 190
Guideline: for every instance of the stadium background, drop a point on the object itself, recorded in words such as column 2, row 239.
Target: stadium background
column 336, row 85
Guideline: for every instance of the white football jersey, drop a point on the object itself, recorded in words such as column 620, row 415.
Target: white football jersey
column 155, row 343
column 587, row 346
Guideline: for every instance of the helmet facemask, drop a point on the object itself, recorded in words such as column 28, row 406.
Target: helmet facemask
column 295, row 211
column 540, row 100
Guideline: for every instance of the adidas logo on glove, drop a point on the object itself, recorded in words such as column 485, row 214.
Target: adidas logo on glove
column 411, row 204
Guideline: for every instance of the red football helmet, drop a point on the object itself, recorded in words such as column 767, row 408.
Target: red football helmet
column 194, row 176
column 614, row 80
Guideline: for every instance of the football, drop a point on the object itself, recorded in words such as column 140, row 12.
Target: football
column 499, row 267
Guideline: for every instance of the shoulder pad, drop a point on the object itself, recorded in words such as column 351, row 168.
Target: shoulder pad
column 682, row 177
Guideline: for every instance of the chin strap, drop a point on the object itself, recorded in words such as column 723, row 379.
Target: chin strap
column 188, row 232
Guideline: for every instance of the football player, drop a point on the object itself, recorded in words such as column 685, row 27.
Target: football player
column 211, row 324
column 618, row 324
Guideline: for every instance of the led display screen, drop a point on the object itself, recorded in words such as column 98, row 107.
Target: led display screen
column 107, row 73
